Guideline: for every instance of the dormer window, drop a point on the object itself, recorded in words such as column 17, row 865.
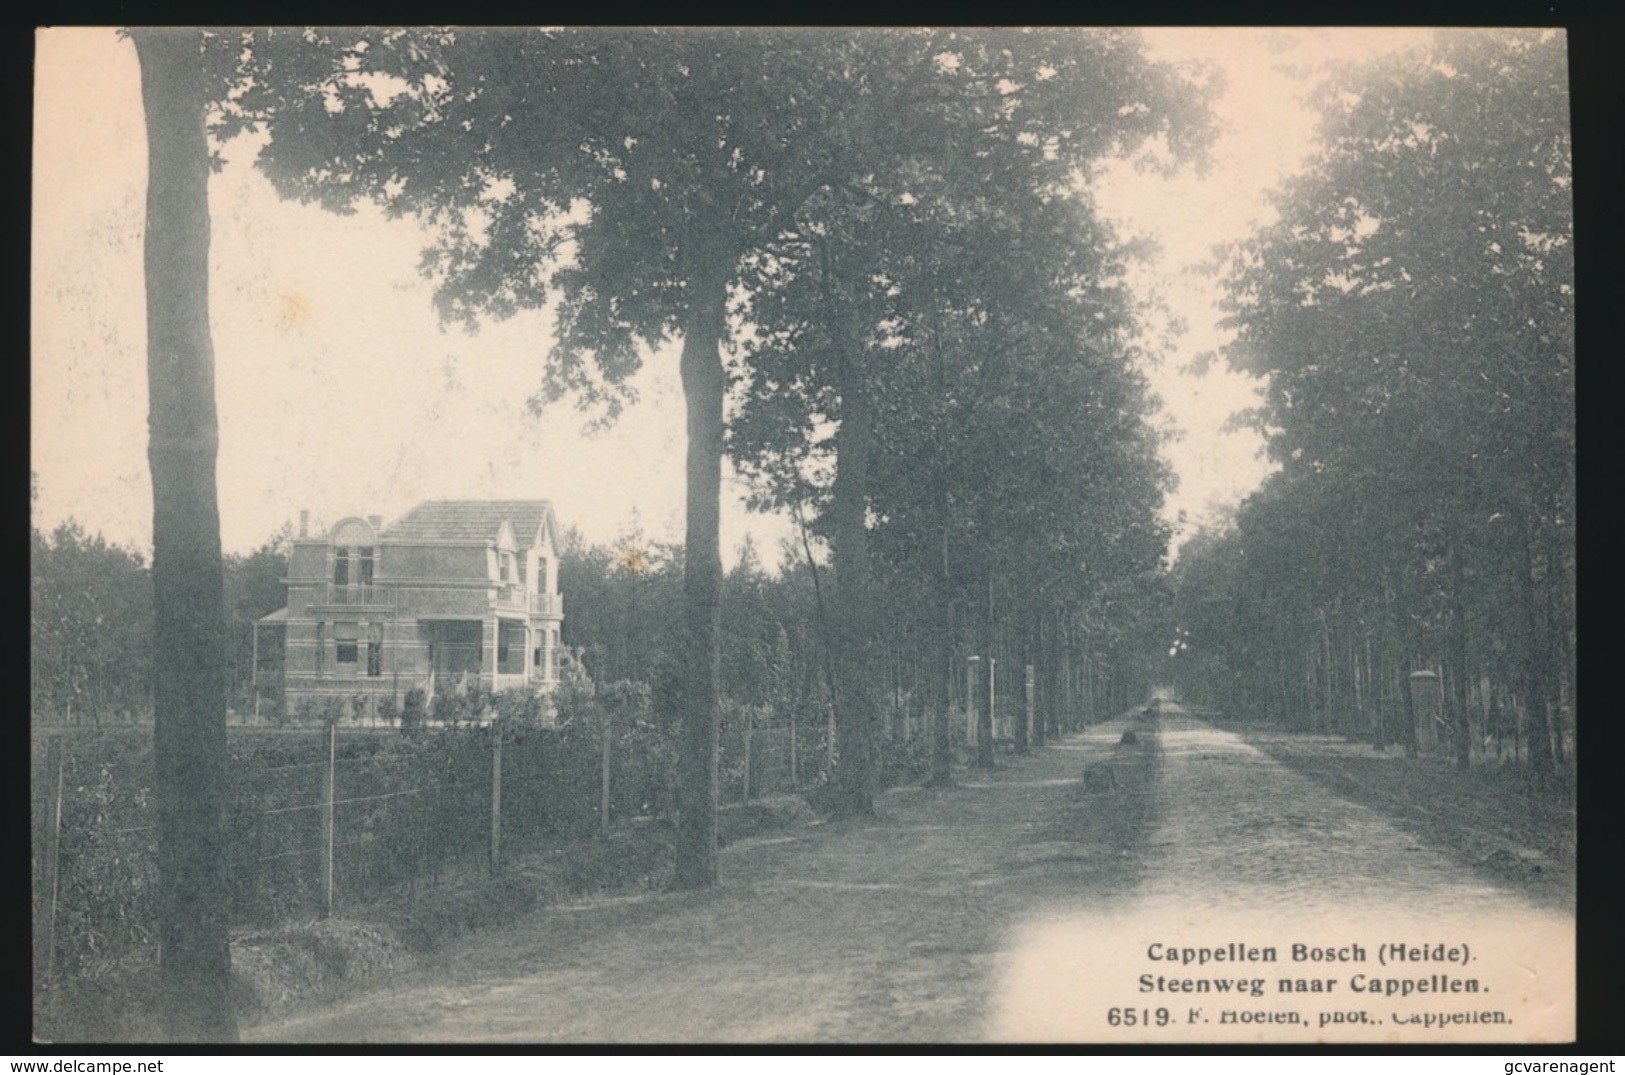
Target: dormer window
column 353, row 558
column 352, row 566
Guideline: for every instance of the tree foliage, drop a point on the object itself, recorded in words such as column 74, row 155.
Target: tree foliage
column 1412, row 312
column 941, row 365
column 633, row 175
column 90, row 627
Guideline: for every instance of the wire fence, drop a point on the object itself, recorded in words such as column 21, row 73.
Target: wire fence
column 322, row 818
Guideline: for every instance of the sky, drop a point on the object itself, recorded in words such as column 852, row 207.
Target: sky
column 339, row 392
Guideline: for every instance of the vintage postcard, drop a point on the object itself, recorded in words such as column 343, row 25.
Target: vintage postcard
column 819, row 536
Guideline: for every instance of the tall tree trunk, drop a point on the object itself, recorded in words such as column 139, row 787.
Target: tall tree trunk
column 1555, row 644
column 189, row 691
column 1040, row 688
column 1560, row 578
column 1049, row 709
column 1358, row 725
column 942, row 752
column 1327, row 724
column 854, row 438
column 1023, row 650
column 1401, row 640
column 984, row 715
column 1535, row 654
column 1069, row 701
column 1457, row 696
column 1413, row 742
column 704, row 384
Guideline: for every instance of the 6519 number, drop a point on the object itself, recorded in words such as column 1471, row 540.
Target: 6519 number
column 1137, row 1017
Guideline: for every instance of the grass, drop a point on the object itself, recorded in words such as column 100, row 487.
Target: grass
column 1491, row 818
column 280, row 971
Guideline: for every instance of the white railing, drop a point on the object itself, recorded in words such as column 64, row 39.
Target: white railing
column 357, row 593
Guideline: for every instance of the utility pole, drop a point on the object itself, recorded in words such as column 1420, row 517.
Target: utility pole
column 327, row 821
column 496, row 796
column 972, row 696
column 1027, row 709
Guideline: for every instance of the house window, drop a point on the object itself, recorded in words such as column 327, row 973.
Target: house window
column 455, row 646
column 541, row 574
column 346, row 637
column 353, row 544
column 271, row 649
column 510, row 648
column 375, row 650
column 321, row 646
column 536, row 658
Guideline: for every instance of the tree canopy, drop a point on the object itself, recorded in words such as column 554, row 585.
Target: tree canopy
column 1412, row 311
column 634, row 175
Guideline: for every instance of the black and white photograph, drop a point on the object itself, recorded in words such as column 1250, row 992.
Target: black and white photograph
column 804, row 536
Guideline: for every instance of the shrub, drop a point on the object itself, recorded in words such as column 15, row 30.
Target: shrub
column 449, row 706
column 273, row 704
column 524, row 706
column 904, row 761
column 412, row 711
column 107, row 866
column 477, row 699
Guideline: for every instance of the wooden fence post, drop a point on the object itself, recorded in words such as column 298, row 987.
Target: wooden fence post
column 1027, row 704
column 795, row 772
column 327, row 822
column 254, row 664
column 992, row 724
column 972, row 699
column 829, row 741
column 603, row 781
column 496, row 797
column 53, row 858
column 749, row 720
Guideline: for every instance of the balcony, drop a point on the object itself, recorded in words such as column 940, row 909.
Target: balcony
column 517, row 598
column 360, row 594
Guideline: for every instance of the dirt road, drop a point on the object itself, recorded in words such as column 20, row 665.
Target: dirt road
column 1245, row 850
column 956, row 915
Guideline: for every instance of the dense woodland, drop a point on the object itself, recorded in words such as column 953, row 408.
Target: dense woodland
column 902, row 319
column 92, row 641
column 1412, row 312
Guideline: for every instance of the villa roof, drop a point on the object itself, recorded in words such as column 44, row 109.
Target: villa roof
column 470, row 520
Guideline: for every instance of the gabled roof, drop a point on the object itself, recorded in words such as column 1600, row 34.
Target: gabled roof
column 471, row 520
